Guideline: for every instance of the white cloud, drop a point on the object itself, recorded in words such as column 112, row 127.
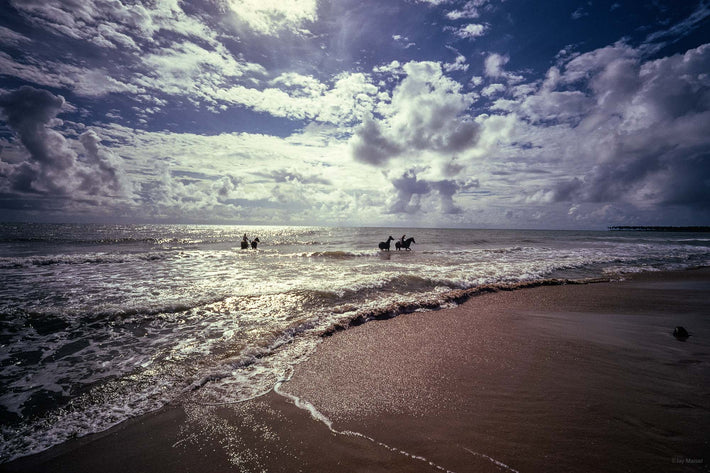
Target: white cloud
column 427, row 112
column 493, row 89
column 187, row 69
column 109, row 36
column 633, row 132
column 471, row 31
column 96, row 82
column 111, row 23
column 351, row 97
column 605, row 125
column 80, row 80
column 494, row 64
column 476, row 81
column 303, row 178
column 269, row 17
column 177, row 66
column 458, row 65
column 579, row 13
column 493, row 67
column 678, row 30
column 52, row 167
column 8, row 36
column 434, row 2
column 299, row 84
column 403, row 41
column 469, row 10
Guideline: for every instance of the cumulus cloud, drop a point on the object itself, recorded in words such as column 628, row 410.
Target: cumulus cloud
column 179, row 54
column 469, row 10
column 110, row 24
column 285, row 175
column 434, row 2
column 251, row 177
column 411, row 190
column 635, row 130
column 493, row 68
column 269, row 17
column 299, row 85
column 52, row 166
column 103, row 173
column 427, row 111
column 493, row 89
column 459, row 64
column 12, row 38
column 471, row 31
column 201, row 73
column 494, row 64
column 447, row 189
column 608, row 125
column 80, row 80
column 29, row 111
column 168, row 196
column 351, row 97
column 370, row 145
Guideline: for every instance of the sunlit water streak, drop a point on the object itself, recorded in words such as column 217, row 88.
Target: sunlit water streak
column 99, row 323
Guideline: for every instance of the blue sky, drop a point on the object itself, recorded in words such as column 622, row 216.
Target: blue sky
column 457, row 113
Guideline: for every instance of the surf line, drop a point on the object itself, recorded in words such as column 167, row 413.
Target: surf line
column 491, row 459
column 317, row 415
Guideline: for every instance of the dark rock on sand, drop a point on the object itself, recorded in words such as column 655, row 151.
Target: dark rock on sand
column 680, row 333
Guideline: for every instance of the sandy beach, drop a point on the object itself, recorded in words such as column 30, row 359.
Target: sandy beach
column 571, row 378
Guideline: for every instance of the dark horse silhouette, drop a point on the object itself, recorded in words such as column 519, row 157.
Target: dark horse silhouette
column 385, row 245
column 245, row 245
column 254, row 242
column 404, row 244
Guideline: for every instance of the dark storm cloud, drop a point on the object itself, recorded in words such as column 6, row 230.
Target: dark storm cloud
column 410, row 190
column 28, row 111
column 103, row 173
column 645, row 138
column 371, row 146
column 408, row 187
column 447, row 189
column 52, row 166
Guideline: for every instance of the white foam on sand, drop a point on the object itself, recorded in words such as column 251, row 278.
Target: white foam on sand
column 491, row 459
column 319, row 416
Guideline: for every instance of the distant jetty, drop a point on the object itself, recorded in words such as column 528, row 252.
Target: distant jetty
column 624, row 228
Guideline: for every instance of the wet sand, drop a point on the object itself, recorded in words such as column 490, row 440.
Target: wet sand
column 569, row 378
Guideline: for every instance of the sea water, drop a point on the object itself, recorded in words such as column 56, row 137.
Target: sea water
column 100, row 323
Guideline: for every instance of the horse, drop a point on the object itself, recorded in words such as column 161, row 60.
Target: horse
column 404, row 244
column 254, row 242
column 385, row 245
column 245, row 245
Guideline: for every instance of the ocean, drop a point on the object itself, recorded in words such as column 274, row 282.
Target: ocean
column 101, row 323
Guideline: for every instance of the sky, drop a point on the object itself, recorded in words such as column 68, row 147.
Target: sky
column 558, row 114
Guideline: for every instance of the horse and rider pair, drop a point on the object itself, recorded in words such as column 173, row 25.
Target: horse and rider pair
column 246, row 242
column 399, row 244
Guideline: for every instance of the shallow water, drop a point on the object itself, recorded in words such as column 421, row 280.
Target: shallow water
column 99, row 323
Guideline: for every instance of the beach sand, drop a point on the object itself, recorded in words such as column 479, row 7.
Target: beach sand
column 571, row 378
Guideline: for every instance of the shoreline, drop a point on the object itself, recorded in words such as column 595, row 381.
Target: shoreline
column 554, row 378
